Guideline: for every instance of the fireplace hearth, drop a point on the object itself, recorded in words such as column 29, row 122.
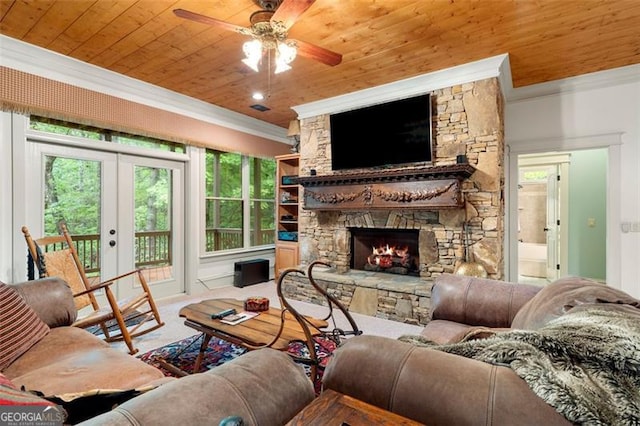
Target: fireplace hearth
column 393, row 251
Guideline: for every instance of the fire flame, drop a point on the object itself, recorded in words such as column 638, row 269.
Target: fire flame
column 382, row 255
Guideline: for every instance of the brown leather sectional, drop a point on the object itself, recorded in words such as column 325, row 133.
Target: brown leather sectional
column 265, row 387
column 440, row 388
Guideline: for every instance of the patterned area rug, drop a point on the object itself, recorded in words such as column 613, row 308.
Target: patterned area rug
column 132, row 318
column 183, row 353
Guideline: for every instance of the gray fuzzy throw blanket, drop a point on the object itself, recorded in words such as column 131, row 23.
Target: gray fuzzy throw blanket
column 585, row 364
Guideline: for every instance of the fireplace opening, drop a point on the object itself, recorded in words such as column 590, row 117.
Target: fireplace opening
column 393, row 251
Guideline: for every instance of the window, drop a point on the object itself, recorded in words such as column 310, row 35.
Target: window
column 59, row 127
column 239, row 201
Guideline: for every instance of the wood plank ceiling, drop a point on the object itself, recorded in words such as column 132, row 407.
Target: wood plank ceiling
column 381, row 42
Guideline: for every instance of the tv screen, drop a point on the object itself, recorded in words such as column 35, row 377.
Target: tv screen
column 385, row 135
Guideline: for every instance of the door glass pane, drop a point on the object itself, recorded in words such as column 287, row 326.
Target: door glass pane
column 153, row 234
column 72, row 193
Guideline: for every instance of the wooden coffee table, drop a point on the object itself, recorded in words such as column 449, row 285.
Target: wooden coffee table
column 270, row 329
column 335, row 409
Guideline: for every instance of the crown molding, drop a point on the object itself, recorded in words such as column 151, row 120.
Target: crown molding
column 595, row 80
column 45, row 63
column 571, row 143
column 495, row 66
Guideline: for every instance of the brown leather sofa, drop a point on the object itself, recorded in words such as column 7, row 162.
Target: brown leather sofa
column 263, row 387
column 70, row 359
column 462, row 307
column 436, row 387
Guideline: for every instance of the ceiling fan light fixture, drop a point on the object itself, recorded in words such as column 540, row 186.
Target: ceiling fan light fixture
column 268, row 30
column 285, row 54
column 253, row 52
column 281, row 67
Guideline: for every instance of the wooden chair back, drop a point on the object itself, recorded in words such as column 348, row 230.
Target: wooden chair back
column 56, row 256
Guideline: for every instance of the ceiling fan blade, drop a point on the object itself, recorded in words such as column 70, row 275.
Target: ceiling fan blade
column 209, row 21
column 290, row 10
column 318, row 53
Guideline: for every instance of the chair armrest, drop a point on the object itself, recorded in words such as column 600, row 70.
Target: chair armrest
column 434, row 387
column 126, row 274
column 51, row 299
column 107, row 283
column 95, row 287
column 264, row 387
column 478, row 301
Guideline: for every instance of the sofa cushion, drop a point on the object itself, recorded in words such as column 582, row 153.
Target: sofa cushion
column 562, row 295
column 11, row 395
column 70, row 359
column 21, row 327
column 478, row 301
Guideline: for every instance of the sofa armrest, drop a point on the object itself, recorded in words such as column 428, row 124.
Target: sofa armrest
column 434, row 387
column 264, row 387
column 478, row 301
column 51, row 299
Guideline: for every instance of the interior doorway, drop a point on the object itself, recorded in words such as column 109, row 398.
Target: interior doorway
column 539, row 217
column 561, row 215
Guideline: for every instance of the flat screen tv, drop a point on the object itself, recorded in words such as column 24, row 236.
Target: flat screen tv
column 386, row 135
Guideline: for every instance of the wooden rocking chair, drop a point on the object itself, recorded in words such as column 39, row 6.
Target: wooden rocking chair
column 56, row 256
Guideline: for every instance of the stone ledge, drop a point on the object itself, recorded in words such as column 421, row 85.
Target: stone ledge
column 395, row 297
column 378, row 280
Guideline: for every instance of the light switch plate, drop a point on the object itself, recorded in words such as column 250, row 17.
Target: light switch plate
column 630, row 227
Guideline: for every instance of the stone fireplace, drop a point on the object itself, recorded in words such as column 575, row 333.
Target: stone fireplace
column 468, row 121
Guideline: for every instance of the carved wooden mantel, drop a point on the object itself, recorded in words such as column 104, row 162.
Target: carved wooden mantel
column 436, row 187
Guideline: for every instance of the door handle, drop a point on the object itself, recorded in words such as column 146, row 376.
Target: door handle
column 112, row 243
column 546, row 229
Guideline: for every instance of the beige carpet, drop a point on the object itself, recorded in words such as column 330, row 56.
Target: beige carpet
column 175, row 329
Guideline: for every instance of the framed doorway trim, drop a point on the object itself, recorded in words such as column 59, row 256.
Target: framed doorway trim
column 610, row 141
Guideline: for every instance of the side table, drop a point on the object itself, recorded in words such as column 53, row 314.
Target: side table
column 332, row 408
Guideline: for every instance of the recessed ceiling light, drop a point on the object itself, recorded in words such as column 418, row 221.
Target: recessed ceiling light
column 258, row 96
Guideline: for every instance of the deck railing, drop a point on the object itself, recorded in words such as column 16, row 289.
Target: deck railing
column 153, row 248
column 231, row 238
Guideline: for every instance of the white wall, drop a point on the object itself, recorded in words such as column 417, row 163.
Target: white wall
column 587, row 118
column 5, row 198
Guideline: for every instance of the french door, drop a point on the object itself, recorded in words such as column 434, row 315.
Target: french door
column 124, row 212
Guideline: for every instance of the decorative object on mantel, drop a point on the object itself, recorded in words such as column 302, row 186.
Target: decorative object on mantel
column 425, row 187
column 294, row 134
column 469, row 267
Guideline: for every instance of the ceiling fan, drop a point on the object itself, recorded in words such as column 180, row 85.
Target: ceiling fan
column 268, row 30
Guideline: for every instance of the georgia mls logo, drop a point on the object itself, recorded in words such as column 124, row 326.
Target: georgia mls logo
column 31, row 415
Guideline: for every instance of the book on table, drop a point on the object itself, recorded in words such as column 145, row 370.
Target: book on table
column 239, row 317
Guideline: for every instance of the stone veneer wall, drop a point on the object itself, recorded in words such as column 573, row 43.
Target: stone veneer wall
column 468, row 120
